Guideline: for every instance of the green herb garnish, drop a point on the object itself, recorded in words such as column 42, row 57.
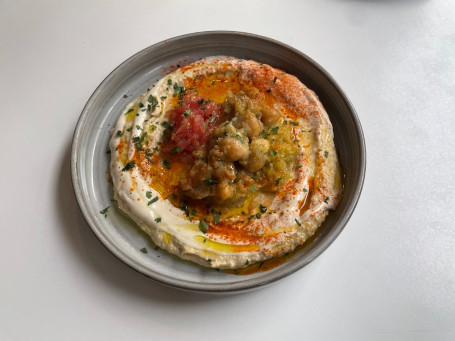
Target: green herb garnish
column 175, row 150
column 148, row 194
column 144, row 250
column 326, row 154
column 179, row 90
column 153, row 103
column 216, row 219
column 275, row 130
column 262, row 208
column 158, row 220
column 210, row 182
column 203, row 226
column 166, row 164
column 298, row 222
column 128, row 166
column 105, row 211
column 273, row 152
column 294, row 123
column 155, row 199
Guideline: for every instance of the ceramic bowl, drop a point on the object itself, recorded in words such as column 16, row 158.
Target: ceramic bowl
column 90, row 162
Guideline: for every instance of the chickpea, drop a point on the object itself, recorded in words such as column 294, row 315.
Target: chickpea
column 258, row 155
column 269, row 116
column 224, row 190
column 248, row 122
column 223, row 171
column 233, row 149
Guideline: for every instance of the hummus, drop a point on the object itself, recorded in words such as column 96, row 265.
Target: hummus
column 226, row 162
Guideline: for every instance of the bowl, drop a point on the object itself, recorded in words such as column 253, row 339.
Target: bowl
column 90, row 162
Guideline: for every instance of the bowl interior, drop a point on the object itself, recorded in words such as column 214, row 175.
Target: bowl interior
column 90, row 161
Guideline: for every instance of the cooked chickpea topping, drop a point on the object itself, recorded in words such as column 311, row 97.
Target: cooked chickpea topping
column 228, row 165
column 233, row 149
column 269, row 116
column 248, row 121
column 258, row 155
column 224, row 190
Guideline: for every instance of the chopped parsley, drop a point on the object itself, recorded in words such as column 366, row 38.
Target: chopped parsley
column 155, row 199
column 148, row 155
column 125, row 96
column 105, row 211
column 144, row 250
column 203, row 226
column 262, row 208
column 131, row 110
column 119, row 133
column 277, row 181
column 294, row 123
column 179, row 90
column 153, row 103
column 268, row 90
column 216, row 219
column 139, row 140
column 175, row 150
column 128, row 166
column 212, row 119
column 326, row 154
column 187, row 112
column 274, row 79
column 253, row 188
column 163, row 98
column 273, row 152
column 169, row 81
column 148, row 194
column 298, row 222
column 258, row 216
column 305, row 190
column 138, row 127
column 275, row 130
column 158, row 220
column 166, row 164
column 210, row 182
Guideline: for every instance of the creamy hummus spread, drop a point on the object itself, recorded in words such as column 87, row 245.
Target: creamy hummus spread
column 226, row 162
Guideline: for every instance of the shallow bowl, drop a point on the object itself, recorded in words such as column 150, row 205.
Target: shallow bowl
column 90, row 162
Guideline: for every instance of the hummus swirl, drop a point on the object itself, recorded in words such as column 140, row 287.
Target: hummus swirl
column 226, row 162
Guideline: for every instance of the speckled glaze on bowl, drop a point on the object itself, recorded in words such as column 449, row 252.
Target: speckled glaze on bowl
column 89, row 161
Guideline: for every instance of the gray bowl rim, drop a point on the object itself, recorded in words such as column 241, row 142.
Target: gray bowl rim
column 320, row 247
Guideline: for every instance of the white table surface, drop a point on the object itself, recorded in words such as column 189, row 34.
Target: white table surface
column 389, row 276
